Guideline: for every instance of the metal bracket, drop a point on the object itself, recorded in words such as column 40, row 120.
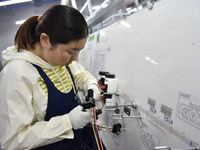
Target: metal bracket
column 122, row 116
column 167, row 147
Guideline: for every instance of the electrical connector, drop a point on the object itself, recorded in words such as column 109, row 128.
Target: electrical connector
column 117, row 128
column 117, row 110
column 89, row 100
column 127, row 110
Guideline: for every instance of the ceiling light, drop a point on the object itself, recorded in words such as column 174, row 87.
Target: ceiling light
column 96, row 7
column 10, row 2
column 99, row 6
column 125, row 24
column 104, row 6
column 129, row 8
column 132, row 10
column 64, row 2
column 140, row 7
column 20, row 22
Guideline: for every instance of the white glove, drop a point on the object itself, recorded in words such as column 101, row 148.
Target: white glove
column 96, row 91
column 79, row 118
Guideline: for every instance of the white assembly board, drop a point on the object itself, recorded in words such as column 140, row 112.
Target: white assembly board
column 155, row 55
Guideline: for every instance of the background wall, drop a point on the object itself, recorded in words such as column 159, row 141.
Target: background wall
column 8, row 28
column 155, row 57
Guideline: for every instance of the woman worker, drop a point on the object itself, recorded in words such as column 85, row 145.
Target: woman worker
column 38, row 98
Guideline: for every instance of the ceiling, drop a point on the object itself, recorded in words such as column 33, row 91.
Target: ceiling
column 115, row 10
column 18, row 11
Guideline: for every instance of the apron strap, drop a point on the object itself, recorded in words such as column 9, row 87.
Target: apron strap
column 68, row 69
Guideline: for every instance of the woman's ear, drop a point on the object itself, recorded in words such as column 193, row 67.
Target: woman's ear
column 45, row 41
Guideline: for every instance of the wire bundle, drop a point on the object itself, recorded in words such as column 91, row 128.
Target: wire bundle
column 95, row 129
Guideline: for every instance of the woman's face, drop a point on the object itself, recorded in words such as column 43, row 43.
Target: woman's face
column 64, row 54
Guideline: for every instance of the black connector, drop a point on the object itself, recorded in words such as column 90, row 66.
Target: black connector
column 117, row 128
column 127, row 110
column 117, row 110
column 107, row 96
column 89, row 100
column 98, row 112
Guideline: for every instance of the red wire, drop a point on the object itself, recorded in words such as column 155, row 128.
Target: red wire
column 97, row 128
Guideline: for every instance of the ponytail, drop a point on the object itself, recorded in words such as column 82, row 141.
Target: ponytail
column 26, row 37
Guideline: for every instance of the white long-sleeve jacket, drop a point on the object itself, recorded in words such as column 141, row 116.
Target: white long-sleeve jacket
column 23, row 103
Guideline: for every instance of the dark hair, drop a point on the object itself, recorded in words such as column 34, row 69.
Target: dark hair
column 62, row 24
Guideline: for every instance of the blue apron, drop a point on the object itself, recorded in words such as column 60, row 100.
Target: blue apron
column 62, row 103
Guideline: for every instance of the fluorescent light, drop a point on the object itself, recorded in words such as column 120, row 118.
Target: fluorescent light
column 132, row 10
column 125, row 24
column 140, row 7
column 104, row 6
column 96, row 7
column 129, row 8
column 13, row 2
column 20, row 22
column 64, row 2
column 99, row 6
